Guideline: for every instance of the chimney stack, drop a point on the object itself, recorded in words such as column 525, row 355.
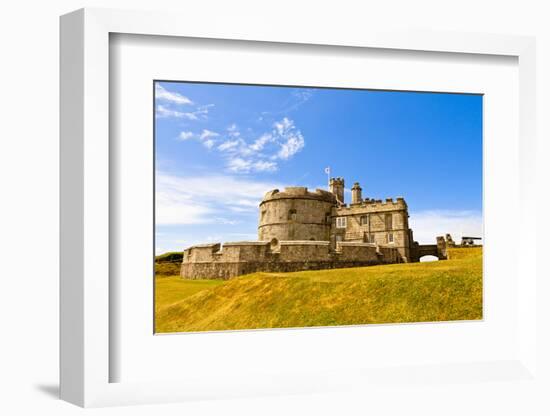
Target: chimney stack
column 356, row 197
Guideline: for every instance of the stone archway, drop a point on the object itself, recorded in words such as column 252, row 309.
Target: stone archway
column 430, row 250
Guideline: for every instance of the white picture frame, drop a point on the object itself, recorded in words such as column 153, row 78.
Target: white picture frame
column 85, row 210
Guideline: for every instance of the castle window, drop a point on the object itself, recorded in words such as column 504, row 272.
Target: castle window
column 389, row 222
column 292, row 215
column 370, row 238
column 364, row 220
column 341, row 222
column 390, row 238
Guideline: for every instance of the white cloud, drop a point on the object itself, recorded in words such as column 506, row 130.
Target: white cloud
column 427, row 225
column 186, row 135
column 302, row 95
column 206, row 137
column 281, row 143
column 209, row 144
column 283, row 126
column 222, row 220
column 293, row 144
column 297, row 98
column 207, row 134
column 200, row 113
column 264, row 166
column 229, row 145
column 239, row 165
column 260, row 142
column 260, row 155
column 233, row 130
column 290, row 139
column 164, row 112
column 174, row 207
column 206, row 199
column 163, row 94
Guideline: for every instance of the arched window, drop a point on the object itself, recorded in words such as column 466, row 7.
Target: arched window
column 292, row 215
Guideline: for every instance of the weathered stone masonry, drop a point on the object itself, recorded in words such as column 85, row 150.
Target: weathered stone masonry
column 303, row 230
column 246, row 257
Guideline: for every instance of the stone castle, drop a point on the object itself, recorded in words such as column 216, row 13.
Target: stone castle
column 303, row 230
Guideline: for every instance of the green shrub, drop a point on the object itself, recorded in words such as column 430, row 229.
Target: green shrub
column 173, row 256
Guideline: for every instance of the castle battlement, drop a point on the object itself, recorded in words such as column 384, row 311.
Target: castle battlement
column 214, row 261
column 298, row 192
column 304, row 243
column 373, row 205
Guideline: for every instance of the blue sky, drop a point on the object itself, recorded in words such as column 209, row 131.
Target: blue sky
column 220, row 147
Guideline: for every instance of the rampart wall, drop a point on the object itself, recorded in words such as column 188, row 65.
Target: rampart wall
column 212, row 261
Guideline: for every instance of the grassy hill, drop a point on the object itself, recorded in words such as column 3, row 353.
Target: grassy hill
column 168, row 264
column 414, row 292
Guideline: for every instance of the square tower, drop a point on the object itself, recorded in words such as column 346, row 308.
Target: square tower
column 336, row 186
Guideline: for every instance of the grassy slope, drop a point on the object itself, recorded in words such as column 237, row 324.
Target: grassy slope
column 167, row 269
column 168, row 264
column 435, row 291
column 170, row 290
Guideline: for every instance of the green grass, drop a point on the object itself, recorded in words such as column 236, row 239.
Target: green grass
column 417, row 292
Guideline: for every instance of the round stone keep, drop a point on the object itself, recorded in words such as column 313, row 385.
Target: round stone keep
column 296, row 214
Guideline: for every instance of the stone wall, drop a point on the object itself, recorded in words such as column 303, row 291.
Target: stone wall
column 212, row 261
column 438, row 250
column 375, row 221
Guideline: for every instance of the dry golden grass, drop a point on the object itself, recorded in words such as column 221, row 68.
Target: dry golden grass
column 171, row 290
column 418, row 292
column 167, row 269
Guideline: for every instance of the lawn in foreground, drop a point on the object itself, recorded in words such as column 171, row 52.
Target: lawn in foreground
column 415, row 292
column 173, row 289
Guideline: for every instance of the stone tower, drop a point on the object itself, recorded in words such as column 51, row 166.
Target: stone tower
column 356, row 194
column 296, row 214
column 336, row 187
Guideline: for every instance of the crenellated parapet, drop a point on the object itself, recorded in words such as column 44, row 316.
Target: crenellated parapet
column 209, row 261
column 299, row 192
column 369, row 204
